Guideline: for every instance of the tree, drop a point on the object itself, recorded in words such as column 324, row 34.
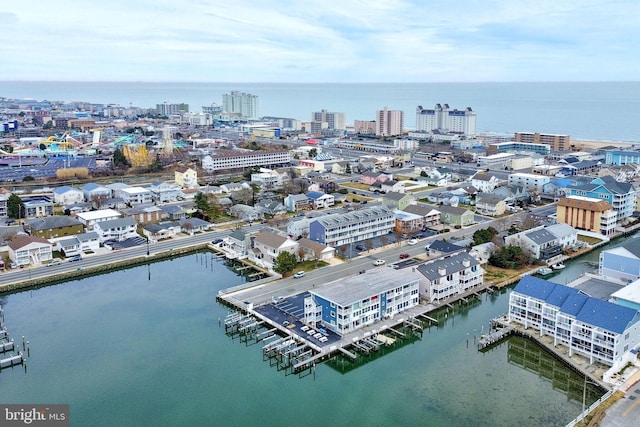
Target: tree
column 201, row 201
column 285, row 262
column 313, row 153
column 484, row 235
column 97, row 200
column 15, row 207
column 347, row 169
column 28, row 178
column 119, row 159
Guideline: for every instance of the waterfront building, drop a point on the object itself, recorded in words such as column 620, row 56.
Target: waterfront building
column 76, row 245
column 389, row 122
column 442, row 118
column 587, row 213
column 244, row 104
column 599, row 330
column 555, row 141
column 490, row 204
column 53, row 226
column 450, row 275
column 66, row 195
column 227, row 159
column 347, row 305
column 620, row 195
column 116, row 229
column 186, row 177
column 333, row 120
column 342, row 229
column 530, row 181
column 539, row 242
column 622, row 157
column 628, row 296
column 166, row 109
column 25, row 250
column 621, row 263
column 566, row 235
column 267, row 245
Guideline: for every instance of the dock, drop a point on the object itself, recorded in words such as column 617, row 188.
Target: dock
column 14, row 354
column 493, row 337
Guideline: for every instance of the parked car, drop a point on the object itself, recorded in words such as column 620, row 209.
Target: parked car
column 216, row 241
column 404, row 256
column 13, row 265
column 360, row 247
column 75, row 258
column 379, row 262
column 298, row 275
column 54, row 262
column 412, row 242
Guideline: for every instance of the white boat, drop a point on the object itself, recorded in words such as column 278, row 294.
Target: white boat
column 543, row 271
column 558, row 266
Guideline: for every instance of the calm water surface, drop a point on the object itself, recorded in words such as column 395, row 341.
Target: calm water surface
column 143, row 347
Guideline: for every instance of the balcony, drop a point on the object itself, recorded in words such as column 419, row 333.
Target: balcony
column 550, row 251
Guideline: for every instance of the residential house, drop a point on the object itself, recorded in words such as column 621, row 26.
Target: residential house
column 298, row 226
column 455, row 216
column 345, row 228
column 530, row 181
column 238, row 243
column 339, row 168
column 173, row 212
column 66, row 195
column 96, row 193
column 512, row 194
column 407, row 223
column 4, row 195
column 449, row 276
column 586, row 213
column 351, row 303
column 116, row 229
column 235, row 186
column 161, row 231
column 136, row 196
column 397, row 201
column 444, row 198
column 68, row 246
column 297, row 203
column 539, row 242
column 311, row 250
column 246, row 212
column 566, row 235
column 620, row 195
column 54, row 226
column 144, row 214
column 25, row 250
column 89, row 219
column 320, row 200
column 270, row 207
column 164, row 192
column 430, row 216
column 325, row 185
column 621, row 263
column 490, row 204
column 370, row 177
column 267, row 245
column 194, row 225
column 186, row 178
column 37, row 205
column 599, row 330
column 485, row 182
column 267, row 178
column 89, row 241
column 392, row 185
column 439, row 248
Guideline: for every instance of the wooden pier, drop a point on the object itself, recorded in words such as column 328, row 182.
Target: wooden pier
column 494, row 336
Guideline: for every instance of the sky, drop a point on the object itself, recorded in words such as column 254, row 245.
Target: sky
column 293, row 41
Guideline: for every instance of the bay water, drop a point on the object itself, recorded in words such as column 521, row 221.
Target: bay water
column 144, row 346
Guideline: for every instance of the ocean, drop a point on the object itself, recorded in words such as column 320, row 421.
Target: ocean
column 606, row 111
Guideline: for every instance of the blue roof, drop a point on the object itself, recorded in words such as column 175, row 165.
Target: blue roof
column 573, row 304
column 314, row 194
column 560, row 294
column 535, row 287
column 593, row 311
column 607, row 315
column 562, row 182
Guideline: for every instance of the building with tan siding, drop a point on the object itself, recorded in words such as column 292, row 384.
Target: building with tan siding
column 586, row 213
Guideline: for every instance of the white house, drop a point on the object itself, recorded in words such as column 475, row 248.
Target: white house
column 89, row 219
column 25, row 250
column 66, row 195
column 484, row 182
column 116, row 229
column 267, row 245
column 448, row 276
column 136, row 195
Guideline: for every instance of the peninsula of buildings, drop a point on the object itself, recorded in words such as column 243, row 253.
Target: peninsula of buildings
column 79, row 179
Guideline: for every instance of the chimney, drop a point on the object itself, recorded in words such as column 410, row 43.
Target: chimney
column 466, row 263
column 442, row 271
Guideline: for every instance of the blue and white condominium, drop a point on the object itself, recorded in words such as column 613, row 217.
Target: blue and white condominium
column 451, row 275
column 352, row 303
column 598, row 330
column 342, row 229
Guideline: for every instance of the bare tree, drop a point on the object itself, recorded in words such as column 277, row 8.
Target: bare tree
column 98, row 200
column 529, row 222
column 384, row 241
column 368, row 244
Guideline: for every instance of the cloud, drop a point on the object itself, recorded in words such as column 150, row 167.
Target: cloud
column 331, row 40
